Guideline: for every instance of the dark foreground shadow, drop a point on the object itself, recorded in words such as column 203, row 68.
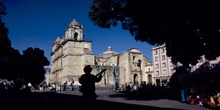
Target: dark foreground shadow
column 135, row 96
column 138, row 98
column 52, row 100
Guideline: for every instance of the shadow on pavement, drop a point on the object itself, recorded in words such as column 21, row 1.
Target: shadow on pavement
column 53, row 100
column 133, row 96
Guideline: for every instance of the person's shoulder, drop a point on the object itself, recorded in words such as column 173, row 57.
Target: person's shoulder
column 93, row 75
column 83, row 75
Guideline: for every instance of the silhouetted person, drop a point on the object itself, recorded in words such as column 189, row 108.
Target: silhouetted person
column 184, row 87
column 88, row 81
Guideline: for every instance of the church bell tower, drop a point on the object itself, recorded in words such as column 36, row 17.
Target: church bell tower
column 74, row 31
column 71, row 53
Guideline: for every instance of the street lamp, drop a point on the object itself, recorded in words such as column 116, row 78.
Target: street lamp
column 139, row 65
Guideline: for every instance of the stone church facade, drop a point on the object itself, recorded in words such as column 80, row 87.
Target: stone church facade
column 72, row 52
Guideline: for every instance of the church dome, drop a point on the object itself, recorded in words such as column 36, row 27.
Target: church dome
column 109, row 52
column 134, row 50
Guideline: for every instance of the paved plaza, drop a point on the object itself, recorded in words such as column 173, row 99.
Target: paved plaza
column 73, row 100
column 158, row 104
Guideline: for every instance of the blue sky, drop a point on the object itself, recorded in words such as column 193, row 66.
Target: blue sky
column 37, row 23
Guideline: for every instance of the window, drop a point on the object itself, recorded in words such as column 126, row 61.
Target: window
column 157, row 73
column 156, row 58
column 133, row 58
column 163, row 57
column 171, row 64
column 155, row 52
column 156, row 66
column 163, row 65
column 164, row 72
column 162, row 50
column 75, row 35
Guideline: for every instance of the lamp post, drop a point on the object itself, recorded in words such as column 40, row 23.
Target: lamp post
column 139, row 65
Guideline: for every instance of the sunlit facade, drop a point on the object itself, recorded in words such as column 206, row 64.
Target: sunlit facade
column 163, row 68
column 72, row 52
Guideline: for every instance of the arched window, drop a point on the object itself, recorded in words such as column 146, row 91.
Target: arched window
column 75, row 35
column 135, row 78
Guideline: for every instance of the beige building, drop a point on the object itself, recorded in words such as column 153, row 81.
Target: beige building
column 163, row 68
column 69, row 55
column 149, row 70
column 47, row 74
column 131, row 64
column 72, row 52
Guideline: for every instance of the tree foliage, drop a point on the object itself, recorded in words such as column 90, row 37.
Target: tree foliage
column 188, row 28
column 33, row 65
column 13, row 65
column 9, row 57
column 5, row 43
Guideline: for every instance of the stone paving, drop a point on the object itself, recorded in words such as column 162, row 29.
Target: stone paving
column 162, row 103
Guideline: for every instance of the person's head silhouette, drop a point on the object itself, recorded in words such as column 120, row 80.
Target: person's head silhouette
column 87, row 69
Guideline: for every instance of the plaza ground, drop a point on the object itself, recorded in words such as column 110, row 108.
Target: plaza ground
column 73, row 100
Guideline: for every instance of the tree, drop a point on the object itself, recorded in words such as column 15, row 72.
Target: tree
column 188, row 28
column 9, row 57
column 5, row 43
column 33, row 65
column 29, row 66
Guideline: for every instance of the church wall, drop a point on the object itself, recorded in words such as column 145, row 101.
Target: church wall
column 135, row 69
column 119, row 73
column 112, row 60
column 72, row 60
column 88, row 59
column 56, row 65
column 124, row 64
column 87, row 45
column 107, row 78
column 143, row 69
column 128, row 64
column 52, row 78
column 122, row 78
column 71, row 73
column 72, row 68
column 74, row 51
